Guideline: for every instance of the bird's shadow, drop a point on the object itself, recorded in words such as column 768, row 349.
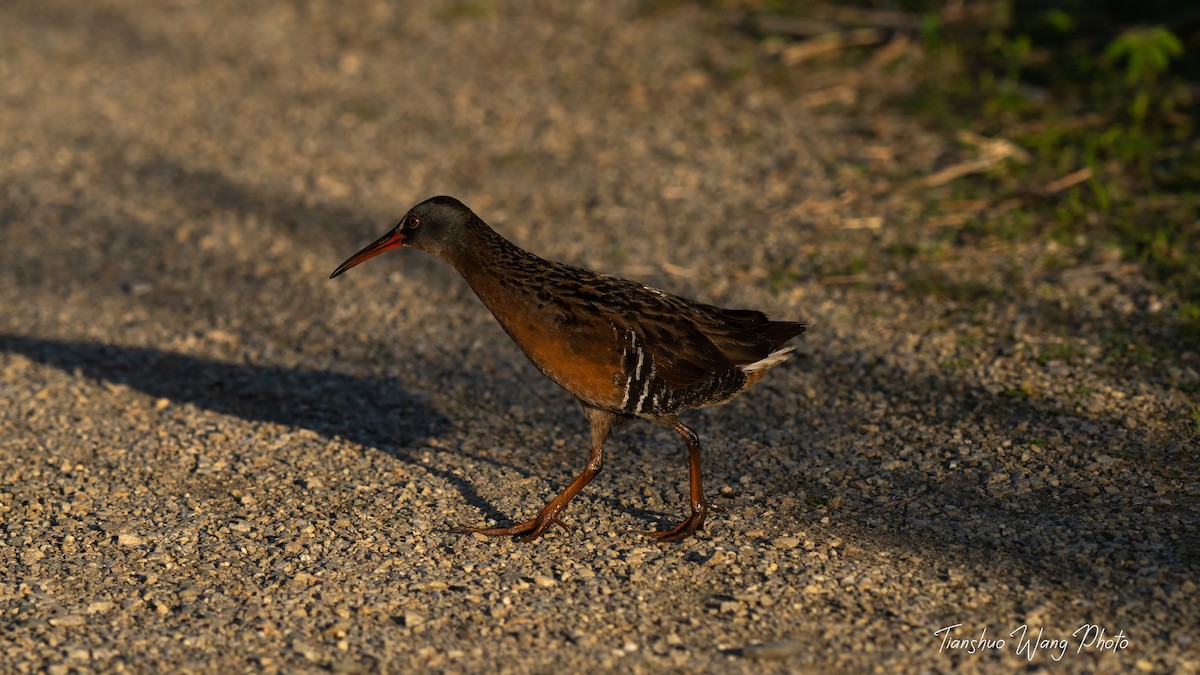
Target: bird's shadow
column 373, row 412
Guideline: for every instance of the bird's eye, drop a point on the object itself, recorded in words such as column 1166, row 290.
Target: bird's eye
column 413, row 221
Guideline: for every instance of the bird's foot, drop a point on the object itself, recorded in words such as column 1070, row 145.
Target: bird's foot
column 527, row 531
column 694, row 523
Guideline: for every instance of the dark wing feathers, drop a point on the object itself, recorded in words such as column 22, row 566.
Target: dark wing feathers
column 779, row 333
column 682, row 355
column 745, row 335
column 687, row 342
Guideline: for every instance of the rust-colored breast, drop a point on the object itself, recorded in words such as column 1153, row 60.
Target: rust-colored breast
column 576, row 350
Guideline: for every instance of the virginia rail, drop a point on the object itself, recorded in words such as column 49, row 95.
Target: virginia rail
column 624, row 349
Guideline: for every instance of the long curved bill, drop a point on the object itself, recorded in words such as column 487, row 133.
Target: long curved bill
column 387, row 242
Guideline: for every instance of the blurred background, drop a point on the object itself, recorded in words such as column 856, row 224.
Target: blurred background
column 958, row 151
column 986, row 211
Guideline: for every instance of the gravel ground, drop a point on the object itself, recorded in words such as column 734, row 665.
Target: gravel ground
column 214, row 458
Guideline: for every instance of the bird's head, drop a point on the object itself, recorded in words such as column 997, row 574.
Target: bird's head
column 436, row 225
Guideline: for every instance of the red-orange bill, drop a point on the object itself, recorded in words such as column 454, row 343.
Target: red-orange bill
column 387, row 242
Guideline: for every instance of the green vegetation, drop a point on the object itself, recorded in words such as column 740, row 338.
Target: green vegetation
column 955, row 365
column 780, row 277
column 1065, row 352
column 1094, row 95
column 1097, row 103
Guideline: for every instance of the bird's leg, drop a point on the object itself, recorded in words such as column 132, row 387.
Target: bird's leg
column 600, row 422
column 700, row 505
column 532, row 529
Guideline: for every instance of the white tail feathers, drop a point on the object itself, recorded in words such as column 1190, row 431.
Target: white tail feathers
column 773, row 359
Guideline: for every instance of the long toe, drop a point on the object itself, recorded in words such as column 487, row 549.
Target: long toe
column 683, row 530
column 527, row 531
column 511, row 531
column 539, row 528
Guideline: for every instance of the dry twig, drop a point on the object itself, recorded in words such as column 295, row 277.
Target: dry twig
column 829, row 42
column 1068, row 181
column 993, row 151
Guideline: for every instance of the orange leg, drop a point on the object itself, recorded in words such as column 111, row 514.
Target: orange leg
column 532, row 529
column 600, row 423
column 700, row 505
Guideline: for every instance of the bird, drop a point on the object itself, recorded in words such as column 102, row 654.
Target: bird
column 625, row 350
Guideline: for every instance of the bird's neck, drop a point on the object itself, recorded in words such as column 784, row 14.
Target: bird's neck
column 492, row 263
